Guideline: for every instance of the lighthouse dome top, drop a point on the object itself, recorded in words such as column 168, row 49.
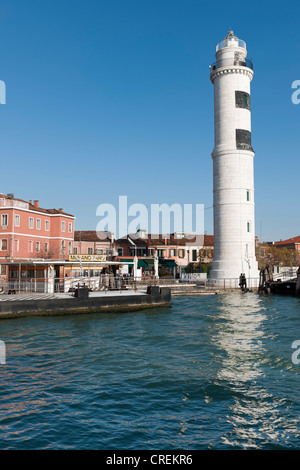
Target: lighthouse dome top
column 231, row 41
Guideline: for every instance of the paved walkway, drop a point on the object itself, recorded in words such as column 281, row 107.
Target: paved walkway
column 66, row 295
column 25, row 296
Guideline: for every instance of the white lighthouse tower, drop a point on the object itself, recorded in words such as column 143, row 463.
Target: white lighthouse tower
column 233, row 155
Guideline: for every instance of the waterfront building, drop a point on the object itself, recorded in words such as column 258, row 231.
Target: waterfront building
column 174, row 251
column 93, row 243
column 233, row 155
column 29, row 232
column 290, row 243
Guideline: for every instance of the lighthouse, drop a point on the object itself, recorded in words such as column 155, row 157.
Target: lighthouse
column 233, row 162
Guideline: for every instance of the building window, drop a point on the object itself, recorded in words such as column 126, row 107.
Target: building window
column 172, row 252
column 248, row 226
column 160, row 253
column 63, row 247
column 69, row 248
column 4, row 244
column 2, row 270
column 47, row 225
column 90, row 251
column 63, row 226
column 37, row 247
column 120, row 251
column 4, row 220
column 16, row 245
column 248, row 196
column 31, row 222
column 38, row 224
column 132, row 251
column 17, row 220
column 46, row 247
column 99, row 252
column 70, row 227
column 181, row 253
column 30, row 246
column 75, row 250
column 194, row 255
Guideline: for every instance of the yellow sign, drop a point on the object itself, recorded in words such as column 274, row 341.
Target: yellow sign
column 87, row 258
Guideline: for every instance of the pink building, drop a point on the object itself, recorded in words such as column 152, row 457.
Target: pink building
column 90, row 242
column 29, row 232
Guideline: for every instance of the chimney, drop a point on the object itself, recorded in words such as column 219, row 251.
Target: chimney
column 30, row 202
column 36, row 203
column 60, row 210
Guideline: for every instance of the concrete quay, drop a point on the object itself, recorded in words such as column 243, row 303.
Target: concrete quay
column 22, row 305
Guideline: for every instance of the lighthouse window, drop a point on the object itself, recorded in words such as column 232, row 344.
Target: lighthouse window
column 248, row 226
column 243, row 139
column 242, row 100
column 248, row 196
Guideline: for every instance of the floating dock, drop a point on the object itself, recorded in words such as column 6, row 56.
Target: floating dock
column 82, row 302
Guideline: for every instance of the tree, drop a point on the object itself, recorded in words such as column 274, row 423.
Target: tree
column 276, row 256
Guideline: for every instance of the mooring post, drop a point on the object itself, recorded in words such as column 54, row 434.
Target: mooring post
column 298, row 283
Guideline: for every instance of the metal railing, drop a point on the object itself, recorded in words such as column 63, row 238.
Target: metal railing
column 232, row 283
column 287, row 275
column 55, row 285
column 116, row 283
column 69, row 285
column 231, row 62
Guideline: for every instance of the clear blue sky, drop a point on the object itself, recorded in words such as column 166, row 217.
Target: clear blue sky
column 109, row 98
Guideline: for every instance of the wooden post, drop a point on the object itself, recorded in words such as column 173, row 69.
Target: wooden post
column 298, row 283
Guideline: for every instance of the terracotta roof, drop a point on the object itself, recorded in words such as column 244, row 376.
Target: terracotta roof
column 289, row 241
column 49, row 211
column 167, row 240
column 208, row 240
column 91, row 236
column 35, row 208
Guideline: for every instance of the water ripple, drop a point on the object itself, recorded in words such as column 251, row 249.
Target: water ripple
column 213, row 372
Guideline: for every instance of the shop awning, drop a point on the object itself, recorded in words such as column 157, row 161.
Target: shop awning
column 141, row 262
column 169, row 262
column 129, row 261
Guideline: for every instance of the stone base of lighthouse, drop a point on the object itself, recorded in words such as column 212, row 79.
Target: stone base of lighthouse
column 223, row 275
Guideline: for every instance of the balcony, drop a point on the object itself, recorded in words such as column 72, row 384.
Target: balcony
column 231, row 63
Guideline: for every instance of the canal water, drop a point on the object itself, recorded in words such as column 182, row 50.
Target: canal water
column 212, row 372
